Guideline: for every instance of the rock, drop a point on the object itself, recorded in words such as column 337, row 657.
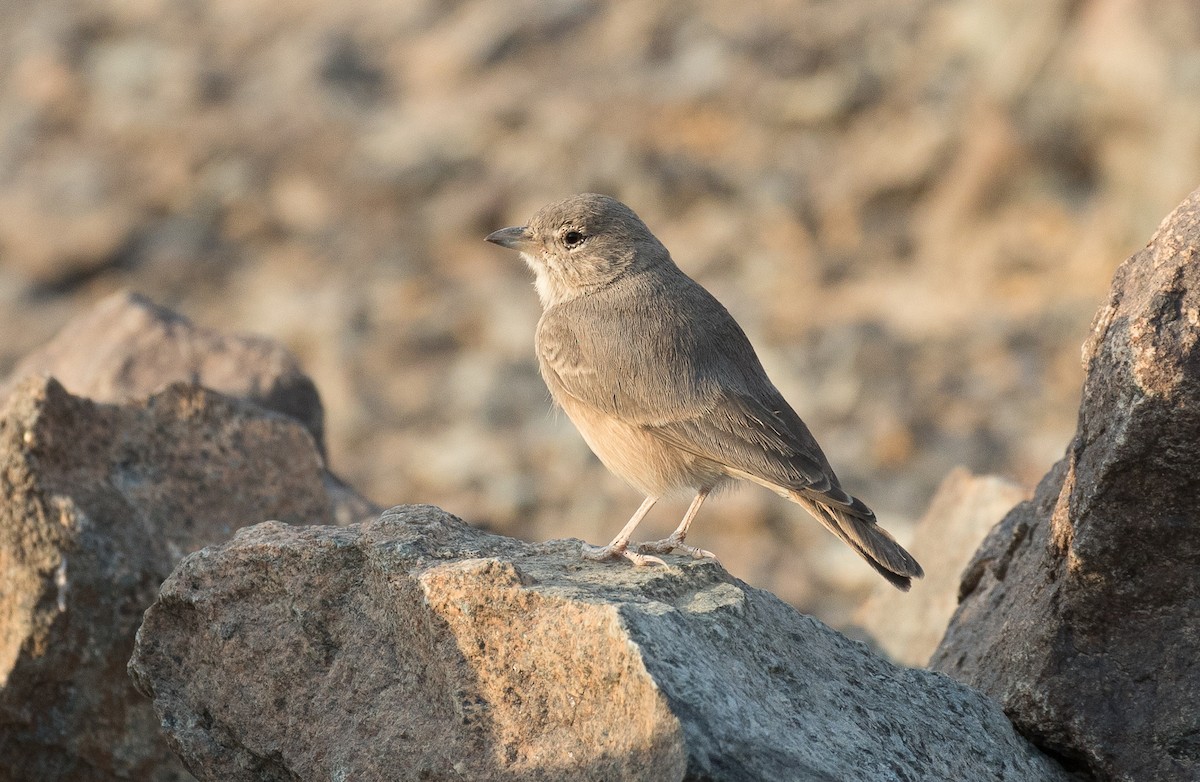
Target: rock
column 416, row 647
column 966, row 507
column 126, row 348
column 1081, row 612
column 98, row 502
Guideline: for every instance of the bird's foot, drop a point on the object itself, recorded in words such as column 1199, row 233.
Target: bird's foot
column 673, row 543
column 613, row 551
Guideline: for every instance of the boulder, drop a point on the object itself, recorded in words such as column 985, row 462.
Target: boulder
column 1081, row 611
column 908, row 626
column 416, row 647
column 127, row 347
column 98, row 502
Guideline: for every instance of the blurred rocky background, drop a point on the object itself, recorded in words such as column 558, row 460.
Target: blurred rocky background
column 914, row 209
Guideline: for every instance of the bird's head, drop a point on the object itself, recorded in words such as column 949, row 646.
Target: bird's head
column 581, row 244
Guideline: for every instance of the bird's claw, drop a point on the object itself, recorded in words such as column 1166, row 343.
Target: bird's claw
column 668, row 545
column 601, row 553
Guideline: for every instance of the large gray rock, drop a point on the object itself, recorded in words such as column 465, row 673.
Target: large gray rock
column 416, row 647
column 98, row 503
column 1081, row 612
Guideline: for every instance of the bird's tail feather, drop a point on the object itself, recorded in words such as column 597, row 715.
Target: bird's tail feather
column 855, row 524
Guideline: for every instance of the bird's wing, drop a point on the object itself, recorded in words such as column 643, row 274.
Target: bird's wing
column 695, row 382
column 631, row 354
column 768, row 445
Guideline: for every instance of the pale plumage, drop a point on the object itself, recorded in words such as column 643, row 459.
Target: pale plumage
column 664, row 385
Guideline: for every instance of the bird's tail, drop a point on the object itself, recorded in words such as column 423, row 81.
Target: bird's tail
column 855, row 524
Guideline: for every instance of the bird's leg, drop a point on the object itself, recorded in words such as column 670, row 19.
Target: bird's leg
column 620, row 544
column 675, row 541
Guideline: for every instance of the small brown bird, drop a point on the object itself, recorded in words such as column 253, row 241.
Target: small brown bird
column 663, row 384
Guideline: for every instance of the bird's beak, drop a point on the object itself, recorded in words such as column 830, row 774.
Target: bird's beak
column 515, row 238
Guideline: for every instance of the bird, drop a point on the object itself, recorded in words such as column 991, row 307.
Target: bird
column 664, row 385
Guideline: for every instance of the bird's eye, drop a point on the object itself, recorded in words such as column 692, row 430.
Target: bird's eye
column 573, row 239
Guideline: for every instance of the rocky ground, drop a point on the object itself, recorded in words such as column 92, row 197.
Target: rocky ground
column 282, row 628
column 914, row 209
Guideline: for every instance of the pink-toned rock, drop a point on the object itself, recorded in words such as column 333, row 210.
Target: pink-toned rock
column 966, row 507
column 126, row 347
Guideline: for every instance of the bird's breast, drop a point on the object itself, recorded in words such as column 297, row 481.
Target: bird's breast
column 637, row 456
